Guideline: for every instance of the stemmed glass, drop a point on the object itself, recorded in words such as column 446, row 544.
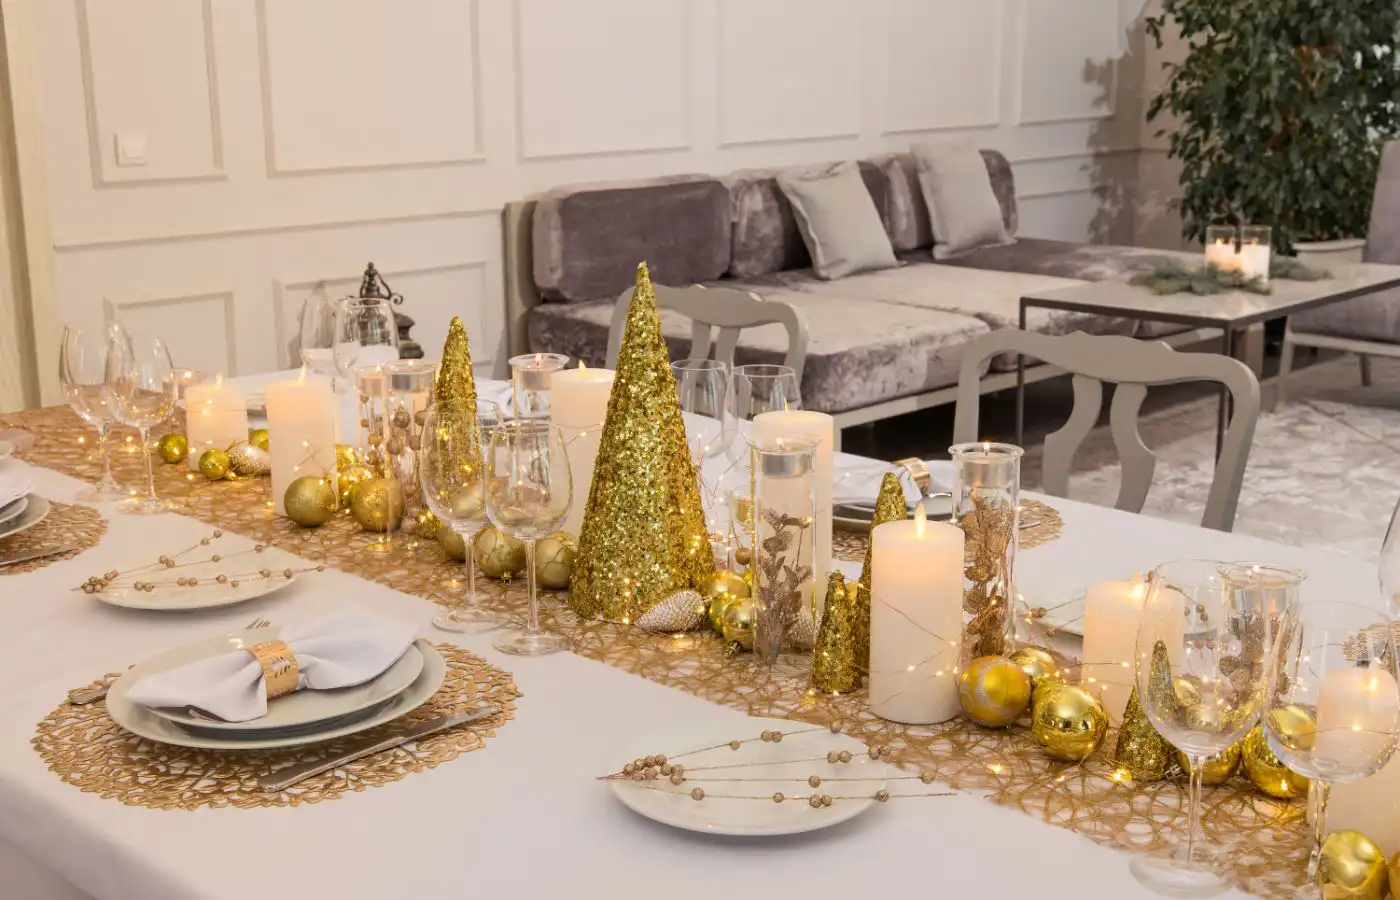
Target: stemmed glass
column 452, row 447
column 141, row 392
column 1202, row 649
column 318, row 335
column 82, row 370
column 1333, row 707
column 365, row 335
column 528, row 492
column 702, row 386
column 1390, row 563
column 753, row 390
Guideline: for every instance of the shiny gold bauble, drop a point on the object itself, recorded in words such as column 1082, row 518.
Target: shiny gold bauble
column 719, row 590
column 258, row 438
column 468, row 502
column 993, row 691
column 1040, row 666
column 173, row 448
column 426, row 525
column 1393, row 876
column 739, row 622
column 349, row 480
column 554, row 560
column 1067, row 721
column 498, row 554
column 1267, row 771
column 310, row 501
column 1351, row 867
column 452, row 544
column 345, row 456
column 743, row 556
column 378, row 505
column 214, row 464
column 246, row 460
column 1217, row 768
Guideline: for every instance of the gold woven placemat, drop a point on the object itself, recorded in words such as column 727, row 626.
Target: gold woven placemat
column 66, row 523
column 851, row 545
column 87, row 749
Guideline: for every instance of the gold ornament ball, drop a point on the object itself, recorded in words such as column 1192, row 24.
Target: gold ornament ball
column 214, row 464
column 258, row 438
column 349, row 480
column 743, row 556
column 345, row 456
column 1351, row 867
column 993, row 691
column 378, row 505
column 1267, row 771
column 554, row 560
column 1040, row 666
column 1067, row 721
column 468, row 502
column 244, row 459
column 498, row 554
column 740, row 620
column 720, row 589
column 1217, row 768
column 1393, row 876
column 173, row 448
column 452, row 544
column 428, row 524
column 310, row 501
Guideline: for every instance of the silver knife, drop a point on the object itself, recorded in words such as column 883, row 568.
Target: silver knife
column 282, row 779
column 27, row 555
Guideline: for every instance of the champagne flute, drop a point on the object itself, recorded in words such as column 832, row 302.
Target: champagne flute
column 82, row 370
column 528, row 492
column 1201, row 677
column 141, row 391
column 1333, row 707
column 452, row 448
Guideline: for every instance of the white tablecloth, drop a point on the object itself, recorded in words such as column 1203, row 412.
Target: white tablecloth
column 522, row 818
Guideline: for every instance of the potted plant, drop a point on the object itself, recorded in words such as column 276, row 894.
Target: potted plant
column 1277, row 113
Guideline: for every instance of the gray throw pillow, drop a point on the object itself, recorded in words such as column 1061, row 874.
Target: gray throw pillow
column 961, row 202
column 838, row 220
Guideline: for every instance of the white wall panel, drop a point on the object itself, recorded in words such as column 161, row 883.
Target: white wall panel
column 1066, row 60
column 944, row 68
column 198, row 329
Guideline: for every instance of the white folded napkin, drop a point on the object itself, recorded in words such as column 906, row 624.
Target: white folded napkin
column 860, row 482
column 343, row 650
column 14, row 485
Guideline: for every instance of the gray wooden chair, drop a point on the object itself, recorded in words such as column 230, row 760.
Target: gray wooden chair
column 728, row 309
column 1134, row 366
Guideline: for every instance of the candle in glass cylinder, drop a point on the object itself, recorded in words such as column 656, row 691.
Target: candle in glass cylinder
column 216, row 417
column 916, row 595
column 821, row 429
column 301, row 416
column 532, row 381
column 579, row 404
column 1111, row 613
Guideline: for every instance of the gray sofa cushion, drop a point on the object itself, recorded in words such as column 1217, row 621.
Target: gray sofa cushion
column 910, row 228
column 1060, row 259
column 840, row 224
column 588, row 240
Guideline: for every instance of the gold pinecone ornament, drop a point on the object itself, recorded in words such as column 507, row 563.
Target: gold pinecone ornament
column 1141, row 750
column 644, row 534
column 889, row 507
column 834, row 668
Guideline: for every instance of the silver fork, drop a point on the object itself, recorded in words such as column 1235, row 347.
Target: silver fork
column 84, row 696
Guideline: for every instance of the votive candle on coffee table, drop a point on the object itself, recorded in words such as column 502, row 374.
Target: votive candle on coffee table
column 1220, row 248
column 1256, row 253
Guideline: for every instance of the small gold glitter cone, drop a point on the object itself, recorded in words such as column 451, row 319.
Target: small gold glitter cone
column 834, row 668
column 889, row 507
column 456, row 383
column 643, row 535
column 1141, row 750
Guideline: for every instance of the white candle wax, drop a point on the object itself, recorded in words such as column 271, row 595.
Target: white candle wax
column 579, row 405
column 1356, row 717
column 301, row 423
column 1222, row 255
column 1254, row 261
column 915, row 620
column 216, row 416
column 1111, row 613
column 1370, row 806
column 821, row 429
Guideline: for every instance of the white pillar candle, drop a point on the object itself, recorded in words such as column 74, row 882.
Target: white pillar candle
column 1254, row 260
column 1370, row 806
column 1356, row 716
column 216, row 416
column 821, row 429
column 301, row 421
column 579, row 404
column 1222, row 255
column 1111, row 613
column 916, row 595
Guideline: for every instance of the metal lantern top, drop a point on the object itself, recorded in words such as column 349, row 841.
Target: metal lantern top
column 373, row 285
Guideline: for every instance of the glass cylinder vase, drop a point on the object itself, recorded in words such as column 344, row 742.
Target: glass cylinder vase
column 784, row 490
column 986, row 506
column 408, row 392
column 532, row 379
column 371, row 420
column 1256, row 251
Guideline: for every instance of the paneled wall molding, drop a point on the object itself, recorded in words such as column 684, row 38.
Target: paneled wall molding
column 127, row 309
column 1071, row 36
column 925, row 43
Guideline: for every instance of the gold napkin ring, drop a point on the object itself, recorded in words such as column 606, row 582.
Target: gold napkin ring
column 279, row 665
column 917, row 470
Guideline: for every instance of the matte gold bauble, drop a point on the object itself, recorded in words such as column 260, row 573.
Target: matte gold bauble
column 1067, row 721
column 452, row 544
column 246, row 460
column 1351, row 867
column 1267, row 771
column 1217, row 768
column 498, row 554
column 468, row 503
column 554, row 560
column 310, row 501
column 378, row 505
column 173, row 448
column 349, row 480
column 993, row 691
column 214, row 464
column 1040, row 666
column 740, row 620
column 720, row 589
column 258, row 438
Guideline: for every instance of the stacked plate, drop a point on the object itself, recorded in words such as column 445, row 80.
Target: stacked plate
column 301, row 717
column 24, row 513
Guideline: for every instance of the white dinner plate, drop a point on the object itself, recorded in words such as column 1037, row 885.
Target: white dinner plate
column 144, row 723
column 759, row 817
column 208, row 593
column 36, row 509
column 11, row 511
column 299, row 710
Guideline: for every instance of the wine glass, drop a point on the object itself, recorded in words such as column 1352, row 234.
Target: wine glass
column 452, row 448
column 318, row 334
column 141, row 391
column 1333, row 705
column 1201, row 676
column 1389, row 566
column 82, row 370
column 365, row 335
column 528, row 492
column 702, row 386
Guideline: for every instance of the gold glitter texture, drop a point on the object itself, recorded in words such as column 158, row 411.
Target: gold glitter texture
column 1143, row 752
column 834, row 668
column 644, row 534
column 81, row 526
column 889, row 507
column 456, row 382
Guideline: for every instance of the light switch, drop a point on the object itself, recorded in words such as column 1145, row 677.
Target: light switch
column 131, row 147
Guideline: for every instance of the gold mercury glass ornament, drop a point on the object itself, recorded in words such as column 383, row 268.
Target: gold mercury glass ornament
column 721, row 588
column 554, row 560
column 993, row 691
column 739, row 623
column 378, row 505
column 1267, row 771
column 452, row 544
column 1217, row 768
column 1351, row 867
column 214, row 464
column 498, row 555
column 345, row 456
column 1040, row 666
column 310, row 501
column 1067, row 721
column 173, row 448
column 258, row 438
column 349, row 480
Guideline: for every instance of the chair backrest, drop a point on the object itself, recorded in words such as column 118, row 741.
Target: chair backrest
column 1383, row 235
column 728, row 309
column 1133, row 365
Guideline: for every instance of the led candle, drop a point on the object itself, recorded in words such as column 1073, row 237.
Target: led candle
column 1254, row 259
column 821, row 429
column 1370, row 806
column 1222, row 255
column 301, row 416
column 579, row 403
column 1111, row 613
column 915, row 620
column 216, row 416
column 1356, row 717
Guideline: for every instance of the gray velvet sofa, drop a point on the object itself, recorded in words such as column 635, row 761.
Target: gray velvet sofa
column 881, row 343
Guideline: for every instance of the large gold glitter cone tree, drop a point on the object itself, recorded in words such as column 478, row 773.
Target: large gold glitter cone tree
column 643, row 534
column 456, row 383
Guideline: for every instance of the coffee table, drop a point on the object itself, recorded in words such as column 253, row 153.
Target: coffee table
column 1229, row 311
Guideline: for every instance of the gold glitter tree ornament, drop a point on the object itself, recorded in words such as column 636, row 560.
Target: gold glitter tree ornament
column 834, row 668
column 889, row 507
column 456, row 383
column 1141, row 750
column 644, row 534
